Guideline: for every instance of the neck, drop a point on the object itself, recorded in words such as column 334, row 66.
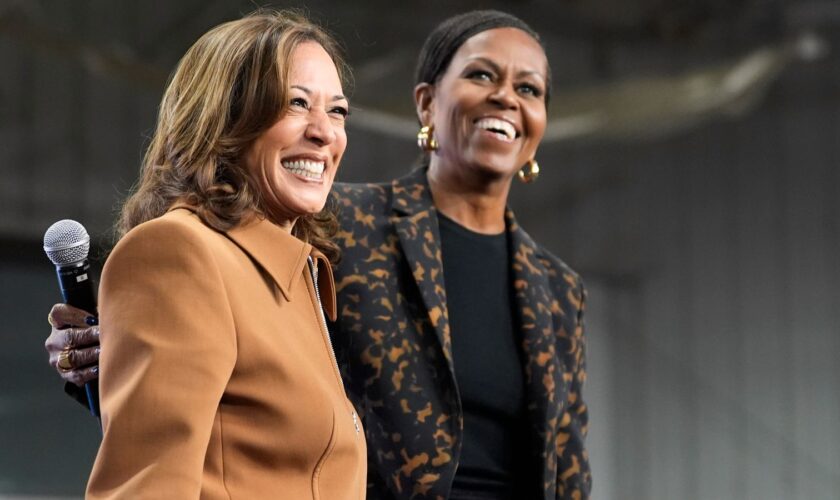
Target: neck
column 283, row 222
column 286, row 225
column 474, row 200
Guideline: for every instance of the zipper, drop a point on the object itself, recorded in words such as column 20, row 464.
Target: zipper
column 356, row 421
column 313, row 270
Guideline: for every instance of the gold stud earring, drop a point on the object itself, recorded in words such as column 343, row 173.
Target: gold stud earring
column 426, row 140
column 529, row 172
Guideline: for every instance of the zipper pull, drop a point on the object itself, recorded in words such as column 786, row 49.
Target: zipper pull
column 356, row 422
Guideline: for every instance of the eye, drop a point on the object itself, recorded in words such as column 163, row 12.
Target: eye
column 340, row 111
column 528, row 89
column 299, row 102
column 480, row 74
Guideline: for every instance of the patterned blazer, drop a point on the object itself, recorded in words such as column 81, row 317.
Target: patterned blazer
column 392, row 340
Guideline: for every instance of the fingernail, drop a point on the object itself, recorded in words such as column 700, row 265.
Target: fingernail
column 95, row 370
column 92, row 320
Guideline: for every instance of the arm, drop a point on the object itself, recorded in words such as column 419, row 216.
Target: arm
column 168, row 349
column 574, row 479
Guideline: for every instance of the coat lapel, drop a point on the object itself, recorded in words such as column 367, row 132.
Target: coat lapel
column 262, row 240
column 415, row 219
column 542, row 368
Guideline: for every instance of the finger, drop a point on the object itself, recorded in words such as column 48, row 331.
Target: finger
column 84, row 357
column 80, row 337
column 81, row 376
column 64, row 315
column 70, row 338
column 55, row 343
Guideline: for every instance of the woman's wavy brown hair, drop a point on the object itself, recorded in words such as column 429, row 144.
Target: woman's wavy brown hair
column 229, row 87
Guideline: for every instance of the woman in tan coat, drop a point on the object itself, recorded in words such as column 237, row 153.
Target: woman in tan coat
column 218, row 378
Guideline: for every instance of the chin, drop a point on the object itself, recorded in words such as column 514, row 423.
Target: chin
column 496, row 168
column 308, row 201
column 312, row 207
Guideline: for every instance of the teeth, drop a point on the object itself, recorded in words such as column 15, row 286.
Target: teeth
column 306, row 168
column 496, row 125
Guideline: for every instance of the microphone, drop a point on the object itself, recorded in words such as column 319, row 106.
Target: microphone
column 67, row 245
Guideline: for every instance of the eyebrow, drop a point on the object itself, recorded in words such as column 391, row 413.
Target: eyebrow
column 498, row 69
column 337, row 97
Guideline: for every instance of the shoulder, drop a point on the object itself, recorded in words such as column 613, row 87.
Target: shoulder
column 529, row 249
column 558, row 268
column 178, row 223
column 566, row 294
column 368, row 194
column 566, row 284
column 176, row 234
column 362, row 209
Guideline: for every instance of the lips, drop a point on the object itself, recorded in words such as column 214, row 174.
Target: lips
column 504, row 129
column 305, row 167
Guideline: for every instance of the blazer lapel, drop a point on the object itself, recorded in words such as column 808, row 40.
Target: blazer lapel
column 415, row 219
column 542, row 369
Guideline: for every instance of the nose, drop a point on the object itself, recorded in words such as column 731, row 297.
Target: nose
column 504, row 96
column 319, row 129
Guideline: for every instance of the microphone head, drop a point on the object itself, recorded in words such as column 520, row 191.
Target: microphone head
column 66, row 242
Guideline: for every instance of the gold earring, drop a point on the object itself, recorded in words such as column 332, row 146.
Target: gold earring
column 425, row 138
column 529, row 172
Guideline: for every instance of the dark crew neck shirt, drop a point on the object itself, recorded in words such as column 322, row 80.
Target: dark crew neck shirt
column 488, row 368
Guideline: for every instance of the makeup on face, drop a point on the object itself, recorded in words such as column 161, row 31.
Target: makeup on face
column 295, row 161
column 488, row 107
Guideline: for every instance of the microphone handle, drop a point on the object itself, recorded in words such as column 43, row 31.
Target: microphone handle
column 77, row 289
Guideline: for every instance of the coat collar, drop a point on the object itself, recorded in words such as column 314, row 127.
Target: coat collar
column 415, row 218
column 535, row 307
column 412, row 194
column 281, row 255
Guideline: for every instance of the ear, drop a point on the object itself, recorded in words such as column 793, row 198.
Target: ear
column 424, row 97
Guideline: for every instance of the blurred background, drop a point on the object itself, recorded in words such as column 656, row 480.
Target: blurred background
column 690, row 173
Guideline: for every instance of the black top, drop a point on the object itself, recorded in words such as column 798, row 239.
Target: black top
column 488, row 368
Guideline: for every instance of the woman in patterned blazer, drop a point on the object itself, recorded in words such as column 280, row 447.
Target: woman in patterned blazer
column 460, row 339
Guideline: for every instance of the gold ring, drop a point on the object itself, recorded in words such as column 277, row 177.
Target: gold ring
column 64, row 360
column 49, row 318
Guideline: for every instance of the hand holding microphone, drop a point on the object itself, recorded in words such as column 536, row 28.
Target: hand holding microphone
column 73, row 342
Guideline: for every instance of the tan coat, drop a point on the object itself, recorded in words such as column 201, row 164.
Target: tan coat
column 217, row 375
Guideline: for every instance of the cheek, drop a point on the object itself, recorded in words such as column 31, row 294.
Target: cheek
column 447, row 115
column 252, row 161
column 258, row 164
column 340, row 142
column 537, row 122
column 262, row 170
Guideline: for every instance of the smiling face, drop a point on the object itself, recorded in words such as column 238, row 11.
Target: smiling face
column 488, row 107
column 295, row 161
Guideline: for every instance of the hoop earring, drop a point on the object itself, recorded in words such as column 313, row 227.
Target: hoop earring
column 529, row 172
column 426, row 140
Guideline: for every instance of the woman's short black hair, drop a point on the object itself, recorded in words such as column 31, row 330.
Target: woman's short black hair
column 448, row 36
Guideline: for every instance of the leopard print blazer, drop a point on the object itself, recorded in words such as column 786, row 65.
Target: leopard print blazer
column 392, row 341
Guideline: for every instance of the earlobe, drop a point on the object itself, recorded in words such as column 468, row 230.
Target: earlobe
column 424, row 102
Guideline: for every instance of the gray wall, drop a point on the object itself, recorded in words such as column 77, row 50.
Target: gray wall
column 714, row 315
